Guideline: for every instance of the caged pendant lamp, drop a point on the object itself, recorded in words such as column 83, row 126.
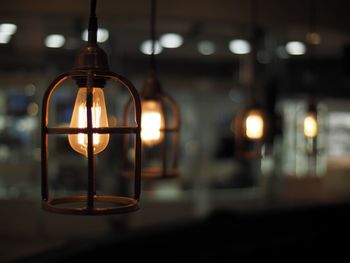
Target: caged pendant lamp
column 311, row 127
column 311, row 124
column 250, row 131
column 88, row 133
column 160, row 122
column 250, row 125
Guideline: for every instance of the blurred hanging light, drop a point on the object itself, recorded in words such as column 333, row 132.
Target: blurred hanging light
column 239, row 46
column 146, row 47
column 295, row 48
column 152, row 122
column 89, row 130
column 250, row 124
column 55, row 41
column 249, row 127
column 310, row 125
column 160, row 121
column 102, row 35
column 171, row 40
column 254, row 125
column 206, row 47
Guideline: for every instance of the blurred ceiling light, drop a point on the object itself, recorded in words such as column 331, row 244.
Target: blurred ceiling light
column 206, row 47
column 102, row 35
column 32, row 109
column 4, row 39
column 146, row 47
column 313, row 38
column 295, row 48
column 29, row 90
column 171, row 40
column 55, row 41
column 239, row 46
column 8, row 29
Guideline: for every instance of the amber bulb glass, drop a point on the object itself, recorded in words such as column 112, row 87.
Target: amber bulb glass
column 152, row 121
column 310, row 125
column 254, row 125
column 79, row 142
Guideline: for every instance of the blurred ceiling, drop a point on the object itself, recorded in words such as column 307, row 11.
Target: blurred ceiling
column 128, row 23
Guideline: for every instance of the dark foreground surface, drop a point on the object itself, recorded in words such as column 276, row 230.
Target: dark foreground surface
column 312, row 234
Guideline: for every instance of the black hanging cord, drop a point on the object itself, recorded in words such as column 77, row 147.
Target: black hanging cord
column 153, row 33
column 92, row 29
column 254, row 43
column 254, row 15
column 310, row 77
column 311, row 26
column 312, row 14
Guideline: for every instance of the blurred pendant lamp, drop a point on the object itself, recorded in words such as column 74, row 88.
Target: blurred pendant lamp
column 311, row 120
column 88, row 133
column 311, row 127
column 250, row 124
column 160, row 121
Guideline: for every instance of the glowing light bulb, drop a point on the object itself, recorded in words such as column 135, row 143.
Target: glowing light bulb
column 254, row 126
column 152, row 120
column 310, row 125
column 79, row 142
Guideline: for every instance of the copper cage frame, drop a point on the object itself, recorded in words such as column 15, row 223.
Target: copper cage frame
column 119, row 204
column 168, row 169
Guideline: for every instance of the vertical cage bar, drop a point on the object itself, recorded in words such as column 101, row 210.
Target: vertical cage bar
column 126, row 137
column 44, row 135
column 137, row 165
column 90, row 150
column 164, row 143
column 44, row 146
column 44, row 152
column 175, row 134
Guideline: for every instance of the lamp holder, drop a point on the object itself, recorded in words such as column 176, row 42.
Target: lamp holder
column 92, row 57
column 312, row 105
column 151, row 87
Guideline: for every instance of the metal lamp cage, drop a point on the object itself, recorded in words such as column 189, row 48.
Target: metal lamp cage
column 245, row 147
column 311, row 146
column 159, row 161
column 92, row 203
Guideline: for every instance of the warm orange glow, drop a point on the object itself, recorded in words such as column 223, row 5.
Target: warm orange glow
column 79, row 141
column 254, row 125
column 152, row 120
column 310, row 125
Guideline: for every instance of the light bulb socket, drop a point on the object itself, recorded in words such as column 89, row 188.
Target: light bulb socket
column 151, row 87
column 312, row 106
column 96, row 82
column 92, row 57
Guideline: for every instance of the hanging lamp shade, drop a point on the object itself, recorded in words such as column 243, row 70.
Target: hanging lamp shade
column 160, row 122
column 89, row 132
column 311, row 127
column 160, row 125
column 250, row 130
